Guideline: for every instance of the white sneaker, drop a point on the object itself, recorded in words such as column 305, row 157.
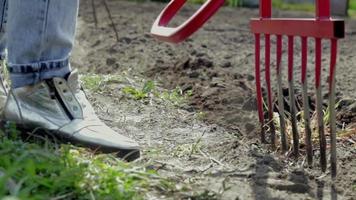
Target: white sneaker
column 61, row 107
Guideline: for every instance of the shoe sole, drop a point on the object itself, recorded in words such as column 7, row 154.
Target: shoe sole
column 128, row 155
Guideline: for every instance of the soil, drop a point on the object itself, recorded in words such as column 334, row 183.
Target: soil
column 210, row 144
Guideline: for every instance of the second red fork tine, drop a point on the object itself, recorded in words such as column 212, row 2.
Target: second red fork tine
column 308, row 132
column 282, row 121
column 292, row 105
column 269, row 89
column 332, row 81
column 319, row 104
column 258, row 85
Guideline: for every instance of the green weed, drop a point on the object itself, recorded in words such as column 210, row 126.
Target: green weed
column 176, row 96
column 142, row 93
column 201, row 115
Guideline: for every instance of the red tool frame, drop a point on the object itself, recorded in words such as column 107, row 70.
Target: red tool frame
column 182, row 32
column 321, row 27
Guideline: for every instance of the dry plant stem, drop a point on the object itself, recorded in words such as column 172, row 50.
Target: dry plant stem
column 332, row 81
column 292, row 96
column 319, row 104
column 306, row 106
column 282, row 121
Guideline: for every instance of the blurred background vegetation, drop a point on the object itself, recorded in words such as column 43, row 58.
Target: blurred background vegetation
column 279, row 4
column 352, row 7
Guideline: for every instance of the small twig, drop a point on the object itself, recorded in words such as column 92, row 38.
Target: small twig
column 166, row 164
column 207, row 168
column 94, row 14
column 112, row 20
column 206, row 155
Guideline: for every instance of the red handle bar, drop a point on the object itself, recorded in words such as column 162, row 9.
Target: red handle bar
column 180, row 33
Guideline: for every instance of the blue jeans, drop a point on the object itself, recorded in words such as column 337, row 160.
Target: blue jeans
column 39, row 37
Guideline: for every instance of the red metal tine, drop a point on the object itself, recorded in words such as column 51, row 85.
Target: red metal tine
column 308, row 133
column 280, row 95
column 321, row 27
column 322, row 13
column 319, row 104
column 269, row 89
column 258, row 85
column 265, row 12
column 180, row 33
column 292, row 96
column 333, row 58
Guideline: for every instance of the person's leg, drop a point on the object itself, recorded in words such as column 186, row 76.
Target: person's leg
column 40, row 39
column 3, row 89
column 3, row 13
column 45, row 93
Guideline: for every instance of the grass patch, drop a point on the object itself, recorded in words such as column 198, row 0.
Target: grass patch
column 149, row 89
column 44, row 170
column 352, row 4
column 101, row 83
column 280, row 4
column 352, row 8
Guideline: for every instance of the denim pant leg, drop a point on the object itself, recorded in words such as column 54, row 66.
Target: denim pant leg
column 40, row 37
column 3, row 8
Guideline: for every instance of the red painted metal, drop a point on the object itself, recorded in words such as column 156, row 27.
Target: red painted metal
column 290, row 57
column 279, row 53
column 320, row 28
column 318, row 55
column 322, row 9
column 333, row 59
column 182, row 32
column 282, row 122
column 319, row 109
column 304, row 58
column 304, row 80
column 265, row 8
column 268, row 72
column 299, row 27
column 333, row 154
column 269, row 88
column 258, row 84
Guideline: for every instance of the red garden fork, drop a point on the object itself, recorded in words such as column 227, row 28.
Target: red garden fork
column 180, row 33
column 322, row 27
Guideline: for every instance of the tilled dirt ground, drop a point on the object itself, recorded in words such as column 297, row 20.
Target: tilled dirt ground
column 209, row 144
